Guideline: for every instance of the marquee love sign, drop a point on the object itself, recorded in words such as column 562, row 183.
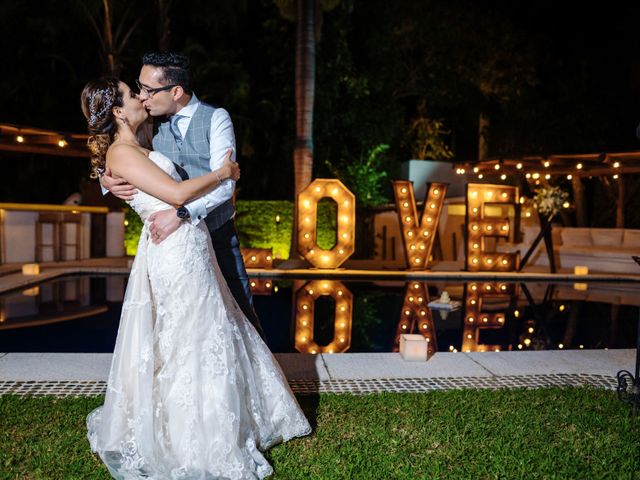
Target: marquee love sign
column 418, row 232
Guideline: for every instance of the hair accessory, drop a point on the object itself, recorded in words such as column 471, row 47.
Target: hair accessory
column 108, row 103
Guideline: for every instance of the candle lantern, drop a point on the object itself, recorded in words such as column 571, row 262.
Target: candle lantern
column 31, row 269
column 413, row 347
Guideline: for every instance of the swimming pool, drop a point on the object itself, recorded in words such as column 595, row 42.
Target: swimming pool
column 81, row 314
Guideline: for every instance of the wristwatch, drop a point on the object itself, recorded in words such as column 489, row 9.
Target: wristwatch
column 182, row 213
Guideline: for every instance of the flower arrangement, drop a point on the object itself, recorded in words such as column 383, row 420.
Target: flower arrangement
column 549, row 200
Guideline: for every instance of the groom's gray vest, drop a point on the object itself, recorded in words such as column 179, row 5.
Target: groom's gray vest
column 193, row 159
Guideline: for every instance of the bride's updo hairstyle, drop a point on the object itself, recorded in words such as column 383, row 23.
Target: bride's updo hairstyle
column 97, row 100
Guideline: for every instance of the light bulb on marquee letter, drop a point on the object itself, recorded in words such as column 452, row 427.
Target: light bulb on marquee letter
column 308, row 222
column 418, row 235
column 478, row 227
column 257, row 257
column 415, row 315
column 475, row 319
column 305, row 302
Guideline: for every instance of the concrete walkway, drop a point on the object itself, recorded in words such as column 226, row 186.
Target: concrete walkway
column 349, row 366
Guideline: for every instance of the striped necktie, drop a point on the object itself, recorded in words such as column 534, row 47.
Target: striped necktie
column 175, row 131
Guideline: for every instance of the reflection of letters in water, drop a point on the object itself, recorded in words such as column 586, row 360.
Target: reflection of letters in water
column 261, row 286
column 306, row 297
column 486, row 305
column 415, row 315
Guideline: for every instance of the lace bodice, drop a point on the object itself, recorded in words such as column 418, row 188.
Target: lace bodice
column 143, row 203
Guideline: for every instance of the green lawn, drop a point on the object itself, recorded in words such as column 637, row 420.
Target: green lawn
column 572, row 433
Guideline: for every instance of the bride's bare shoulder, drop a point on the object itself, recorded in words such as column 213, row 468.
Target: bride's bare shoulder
column 125, row 149
column 122, row 152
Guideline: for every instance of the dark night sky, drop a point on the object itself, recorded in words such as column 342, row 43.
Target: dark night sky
column 586, row 96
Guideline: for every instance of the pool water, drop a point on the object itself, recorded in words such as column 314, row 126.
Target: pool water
column 81, row 314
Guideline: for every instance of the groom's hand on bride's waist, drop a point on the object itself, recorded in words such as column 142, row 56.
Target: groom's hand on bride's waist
column 117, row 186
column 162, row 224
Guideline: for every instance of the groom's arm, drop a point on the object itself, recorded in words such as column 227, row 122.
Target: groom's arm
column 221, row 140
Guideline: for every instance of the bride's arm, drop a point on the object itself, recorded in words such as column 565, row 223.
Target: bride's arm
column 135, row 167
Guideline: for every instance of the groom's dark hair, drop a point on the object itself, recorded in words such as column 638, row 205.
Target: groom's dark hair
column 174, row 65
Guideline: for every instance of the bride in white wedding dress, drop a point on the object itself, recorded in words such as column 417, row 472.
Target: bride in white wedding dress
column 193, row 391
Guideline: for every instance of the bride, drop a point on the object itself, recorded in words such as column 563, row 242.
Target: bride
column 193, row 392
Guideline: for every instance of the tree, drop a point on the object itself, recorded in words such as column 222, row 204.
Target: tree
column 308, row 15
column 112, row 42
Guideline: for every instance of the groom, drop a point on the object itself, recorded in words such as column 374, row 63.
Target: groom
column 196, row 137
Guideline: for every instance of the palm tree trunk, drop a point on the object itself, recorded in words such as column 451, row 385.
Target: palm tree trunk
column 164, row 21
column 112, row 61
column 483, row 136
column 305, row 92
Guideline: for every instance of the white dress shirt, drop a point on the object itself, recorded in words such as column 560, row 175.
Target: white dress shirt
column 222, row 139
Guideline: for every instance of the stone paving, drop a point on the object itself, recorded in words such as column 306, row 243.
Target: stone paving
column 64, row 374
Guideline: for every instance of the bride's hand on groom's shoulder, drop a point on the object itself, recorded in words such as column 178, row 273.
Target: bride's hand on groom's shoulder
column 119, row 187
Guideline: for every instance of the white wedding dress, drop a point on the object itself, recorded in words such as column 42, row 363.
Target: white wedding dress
column 193, row 392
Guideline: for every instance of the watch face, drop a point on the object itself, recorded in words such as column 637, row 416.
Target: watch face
column 182, row 212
